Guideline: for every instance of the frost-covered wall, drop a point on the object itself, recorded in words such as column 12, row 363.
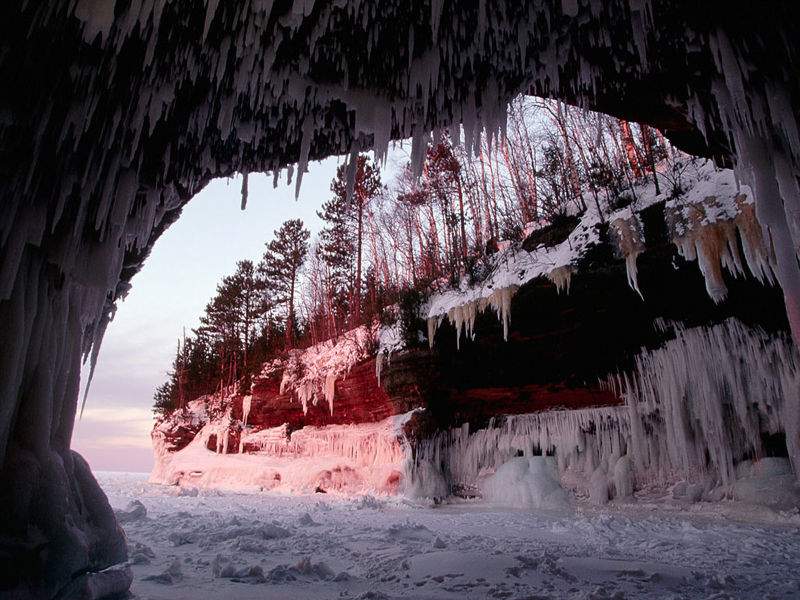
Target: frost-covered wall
column 114, row 114
column 693, row 410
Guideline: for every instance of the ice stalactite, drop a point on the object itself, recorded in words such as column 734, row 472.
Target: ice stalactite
column 760, row 122
column 330, row 390
column 247, row 402
column 579, row 438
column 311, row 374
column 390, row 340
column 561, row 278
column 690, row 412
column 707, row 232
column 462, row 316
column 629, row 239
column 695, row 409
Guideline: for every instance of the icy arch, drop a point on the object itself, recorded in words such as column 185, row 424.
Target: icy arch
column 114, row 114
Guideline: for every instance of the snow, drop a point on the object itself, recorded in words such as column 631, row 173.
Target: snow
column 270, row 546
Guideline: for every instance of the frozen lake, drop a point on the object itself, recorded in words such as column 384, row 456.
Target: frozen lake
column 206, row 545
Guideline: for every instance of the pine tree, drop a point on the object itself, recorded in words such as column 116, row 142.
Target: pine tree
column 342, row 238
column 167, row 395
column 281, row 266
column 233, row 316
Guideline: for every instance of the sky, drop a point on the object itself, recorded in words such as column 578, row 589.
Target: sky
column 170, row 293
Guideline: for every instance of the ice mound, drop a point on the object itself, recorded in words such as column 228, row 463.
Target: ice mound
column 172, row 574
column 223, row 568
column 526, row 482
column 767, row 482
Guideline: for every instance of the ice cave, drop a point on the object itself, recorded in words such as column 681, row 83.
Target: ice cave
column 607, row 406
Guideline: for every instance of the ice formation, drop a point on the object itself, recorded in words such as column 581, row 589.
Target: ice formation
column 510, row 269
column 707, row 232
column 703, row 223
column 629, row 238
column 311, row 374
column 561, row 278
column 390, row 340
column 526, row 482
column 463, row 316
column 691, row 412
column 367, row 457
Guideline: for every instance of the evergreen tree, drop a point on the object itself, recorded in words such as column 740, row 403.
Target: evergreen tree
column 281, row 266
column 342, row 238
column 167, row 396
column 233, row 317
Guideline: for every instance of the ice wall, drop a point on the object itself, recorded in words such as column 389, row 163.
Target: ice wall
column 346, row 459
column 693, row 409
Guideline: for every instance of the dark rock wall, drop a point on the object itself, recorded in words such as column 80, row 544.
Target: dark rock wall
column 561, row 345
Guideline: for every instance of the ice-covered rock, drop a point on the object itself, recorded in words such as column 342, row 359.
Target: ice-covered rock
column 134, row 511
column 526, row 482
column 767, row 482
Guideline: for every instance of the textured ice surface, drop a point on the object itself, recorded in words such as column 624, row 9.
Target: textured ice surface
column 393, row 549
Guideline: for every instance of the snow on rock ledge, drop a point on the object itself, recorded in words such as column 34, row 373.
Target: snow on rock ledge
column 703, row 224
column 311, row 374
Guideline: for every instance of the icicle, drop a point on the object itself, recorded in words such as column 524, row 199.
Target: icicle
column 330, row 390
column 703, row 231
column 690, row 412
column 350, row 171
column 211, row 10
column 378, row 366
column 244, row 190
column 433, row 325
column 561, row 277
column 629, row 239
column 246, row 404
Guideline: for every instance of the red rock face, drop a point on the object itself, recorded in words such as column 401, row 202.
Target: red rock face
column 481, row 403
column 358, row 399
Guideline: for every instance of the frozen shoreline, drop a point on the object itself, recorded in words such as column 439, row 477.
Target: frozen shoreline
column 211, row 544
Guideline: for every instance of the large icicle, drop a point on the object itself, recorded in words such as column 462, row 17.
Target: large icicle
column 706, row 231
column 629, row 238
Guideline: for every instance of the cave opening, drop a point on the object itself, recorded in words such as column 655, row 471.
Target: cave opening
column 665, row 371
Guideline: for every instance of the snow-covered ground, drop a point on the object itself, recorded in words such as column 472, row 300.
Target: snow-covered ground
column 211, row 545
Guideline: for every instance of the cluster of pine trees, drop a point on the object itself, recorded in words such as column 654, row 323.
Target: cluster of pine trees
column 253, row 315
column 421, row 231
